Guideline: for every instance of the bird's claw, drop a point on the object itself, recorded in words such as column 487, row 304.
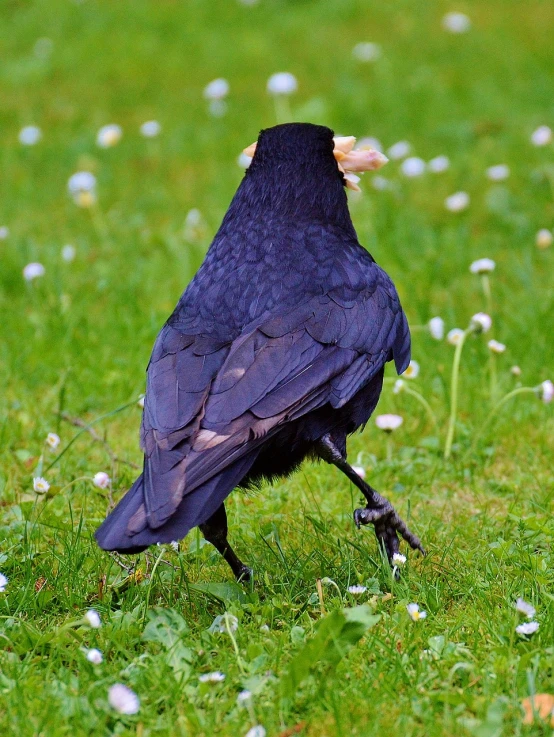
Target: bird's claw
column 388, row 525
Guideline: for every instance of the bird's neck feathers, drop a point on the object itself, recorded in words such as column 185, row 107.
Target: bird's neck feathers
column 294, row 191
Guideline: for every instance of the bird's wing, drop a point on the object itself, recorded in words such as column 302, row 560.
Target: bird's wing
column 208, row 404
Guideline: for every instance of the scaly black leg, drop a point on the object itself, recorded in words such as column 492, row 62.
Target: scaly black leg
column 215, row 530
column 379, row 511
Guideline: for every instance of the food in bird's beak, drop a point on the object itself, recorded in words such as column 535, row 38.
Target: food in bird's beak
column 348, row 159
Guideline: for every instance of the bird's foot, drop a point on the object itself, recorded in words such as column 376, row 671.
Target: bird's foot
column 244, row 574
column 388, row 525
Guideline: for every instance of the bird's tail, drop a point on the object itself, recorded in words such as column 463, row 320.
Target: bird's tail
column 115, row 533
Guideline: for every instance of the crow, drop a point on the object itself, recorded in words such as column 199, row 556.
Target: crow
column 275, row 353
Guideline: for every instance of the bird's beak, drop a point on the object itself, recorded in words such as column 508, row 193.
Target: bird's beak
column 348, row 159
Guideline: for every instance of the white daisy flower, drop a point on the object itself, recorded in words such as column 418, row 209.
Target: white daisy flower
column 525, row 608
column 140, row 401
column 547, row 391
column 150, row 129
column 92, row 618
column 366, row 51
column 101, row 480
column 544, row 238
column 3, row 582
column 456, row 23
column 123, row 700
column 398, row 559
column 399, row 150
column 436, row 328
column 217, row 89
column 82, row 186
column 399, row 385
column 412, row 372
column 388, row 423
column 244, row 697
column 542, row 136
column 360, row 470
column 498, row 173
column 482, row 266
column 357, row 590
column 515, row 371
column 33, row 270
column 225, row 623
column 481, row 322
column 438, row 164
column 174, row 545
column 4, row 232
column 30, row 135
column 40, row 485
column 413, row 166
column 415, row 613
column 52, row 440
column 94, row 656
column 215, row 677
column 368, row 143
column 282, row 83
column 527, row 628
column 257, row 731
column 109, row 135
column 457, row 202
column 496, row 347
column 454, row 336
column 68, row 253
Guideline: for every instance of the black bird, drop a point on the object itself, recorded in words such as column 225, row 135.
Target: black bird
column 274, row 353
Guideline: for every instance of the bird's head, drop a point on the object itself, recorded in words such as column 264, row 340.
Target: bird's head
column 313, row 148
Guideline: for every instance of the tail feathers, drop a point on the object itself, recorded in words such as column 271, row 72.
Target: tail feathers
column 194, row 509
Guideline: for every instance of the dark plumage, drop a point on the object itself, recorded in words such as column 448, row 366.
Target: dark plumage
column 275, row 352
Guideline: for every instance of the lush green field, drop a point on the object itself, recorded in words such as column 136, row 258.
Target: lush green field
column 75, row 342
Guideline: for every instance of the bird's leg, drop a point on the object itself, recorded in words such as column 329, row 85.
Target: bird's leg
column 379, row 511
column 214, row 530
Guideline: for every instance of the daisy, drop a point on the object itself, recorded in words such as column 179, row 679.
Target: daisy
column 357, row 590
column 140, row 401
column 454, row 336
column 496, row 347
column 542, row 136
column 33, row 270
column 109, row 135
column 515, row 371
column 482, row 266
column 388, row 423
column 244, row 697
column 413, row 166
column 52, row 440
column 257, row 731
column 366, row 51
column 282, row 83
column 216, row 677
column 40, row 485
column 481, row 322
column 368, row 142
column 436, row 328
column 4, row 232
column 3, row 582
column 217, row 89
column 412, row 372
column 101, row 480
column 68, row 253
column 399, row 150
column 123, row 700
column 498, row 173
column 456, row 23
column 360, row 470
column 92, row 618
column 398, row 559
column 82, row 186
column 544, row 238
column 438, row 164
column 94, row 656
column 30, row 135
column 150, row 129
column 527, row 628
column 525, row 608
column 457, row 202
column 399, row 385
column 415, row 613
column 547, row 391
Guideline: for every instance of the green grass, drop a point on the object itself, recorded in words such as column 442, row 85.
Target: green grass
column 77, row 341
